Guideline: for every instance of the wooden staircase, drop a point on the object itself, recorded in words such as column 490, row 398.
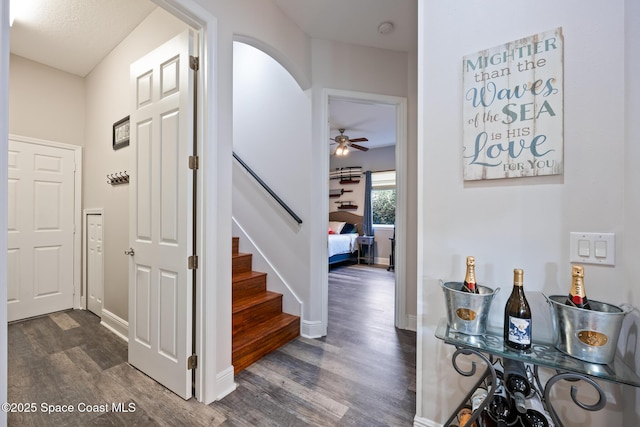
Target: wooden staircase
column 259, row 325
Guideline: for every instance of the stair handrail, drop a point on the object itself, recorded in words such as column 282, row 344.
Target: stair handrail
column 268, row 189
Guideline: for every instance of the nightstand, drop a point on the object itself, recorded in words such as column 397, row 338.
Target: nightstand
column 365, row 249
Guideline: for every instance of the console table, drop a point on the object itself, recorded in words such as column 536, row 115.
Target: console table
column 490, row 347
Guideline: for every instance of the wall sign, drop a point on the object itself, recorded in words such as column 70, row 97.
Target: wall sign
column 513, row 109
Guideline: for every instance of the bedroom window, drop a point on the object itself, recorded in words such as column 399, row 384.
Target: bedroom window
column 383, row 197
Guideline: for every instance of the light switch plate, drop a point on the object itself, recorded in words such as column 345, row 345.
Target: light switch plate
column 592, row 248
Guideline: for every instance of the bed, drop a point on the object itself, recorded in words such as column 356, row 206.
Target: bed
column 343, row 246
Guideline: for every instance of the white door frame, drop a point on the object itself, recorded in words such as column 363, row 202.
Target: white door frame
column 214, row 375
column 4, row 171
column 85, row 278
column 400, row 103
column 77, row 210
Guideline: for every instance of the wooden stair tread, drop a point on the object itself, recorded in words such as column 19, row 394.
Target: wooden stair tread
column 264, row 330
column 240, row 254
column 240, row 304
column 246, row 275
column 259, row 326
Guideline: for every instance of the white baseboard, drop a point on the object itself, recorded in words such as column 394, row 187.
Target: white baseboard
column 424, row 422
column 310, row 329
column 412, row 322
column 115, row 324
column 381, row 260
column 225, row 383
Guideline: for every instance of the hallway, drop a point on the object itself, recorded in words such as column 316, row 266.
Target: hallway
column 362, row 373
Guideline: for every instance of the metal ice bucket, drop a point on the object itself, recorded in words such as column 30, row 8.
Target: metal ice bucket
column 589, row 335
column 466, row 312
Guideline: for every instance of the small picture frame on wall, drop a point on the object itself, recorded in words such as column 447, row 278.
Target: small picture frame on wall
column 121, row 133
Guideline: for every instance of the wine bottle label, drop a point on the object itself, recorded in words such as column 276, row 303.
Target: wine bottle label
column 519, row 330
column 576, row 300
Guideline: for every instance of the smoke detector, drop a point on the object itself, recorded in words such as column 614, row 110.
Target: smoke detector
column 385, row 28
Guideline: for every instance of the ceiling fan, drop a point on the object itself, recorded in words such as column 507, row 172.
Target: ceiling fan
column 344, row 142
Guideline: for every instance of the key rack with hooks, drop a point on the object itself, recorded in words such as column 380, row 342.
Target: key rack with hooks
column 118, row 178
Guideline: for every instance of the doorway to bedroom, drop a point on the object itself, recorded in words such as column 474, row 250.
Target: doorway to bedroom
column 367, row 134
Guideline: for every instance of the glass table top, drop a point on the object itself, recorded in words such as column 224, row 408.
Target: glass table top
column 542, row 354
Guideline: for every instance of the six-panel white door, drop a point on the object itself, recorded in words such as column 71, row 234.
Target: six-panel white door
column 160, row 294
column 41, row 229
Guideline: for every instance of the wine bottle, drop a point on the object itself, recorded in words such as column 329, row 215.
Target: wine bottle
column 499, row 408
column 536, row 415
column 535, row 419
column 577, row 294
column 517, row 316
column 469, row 284
column 517, row 383
column 477, row 399
column 464, row 416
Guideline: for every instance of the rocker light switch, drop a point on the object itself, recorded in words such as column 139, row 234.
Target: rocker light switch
column 583, row 247
column 600, row 248
column 592, row 248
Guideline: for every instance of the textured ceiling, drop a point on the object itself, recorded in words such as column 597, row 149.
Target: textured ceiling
column 357, row 21
column 73, row 35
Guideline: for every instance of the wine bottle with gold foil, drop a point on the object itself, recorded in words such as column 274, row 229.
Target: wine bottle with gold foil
column 517, row 316
column 469, row 284
column 577, row 294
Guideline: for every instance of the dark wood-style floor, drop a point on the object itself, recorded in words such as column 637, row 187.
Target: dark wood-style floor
column 361, row 374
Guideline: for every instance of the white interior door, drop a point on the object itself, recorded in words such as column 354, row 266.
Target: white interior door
column 94, row 263
column 160, row 293
column 41, row 229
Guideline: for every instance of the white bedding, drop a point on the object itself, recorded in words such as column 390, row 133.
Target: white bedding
column 342, row 243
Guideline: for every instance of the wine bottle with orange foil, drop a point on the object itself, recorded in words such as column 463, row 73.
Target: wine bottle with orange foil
column 469, row 284
column 577, row 294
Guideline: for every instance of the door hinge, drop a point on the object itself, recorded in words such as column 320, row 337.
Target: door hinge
column 194, row 162
column 192, row 362
column 194, row 63
column 193, row 262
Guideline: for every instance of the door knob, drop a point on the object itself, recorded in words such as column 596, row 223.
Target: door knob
column 130, row 252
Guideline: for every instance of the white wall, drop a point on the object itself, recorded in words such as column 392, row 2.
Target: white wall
column 45, row 103
column 272, row 135
column 523, row 222
column 630, row 251
column 389, row 76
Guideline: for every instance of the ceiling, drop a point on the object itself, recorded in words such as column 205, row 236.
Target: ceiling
column 357, row 21
column 376, row 122
column 75, row 35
